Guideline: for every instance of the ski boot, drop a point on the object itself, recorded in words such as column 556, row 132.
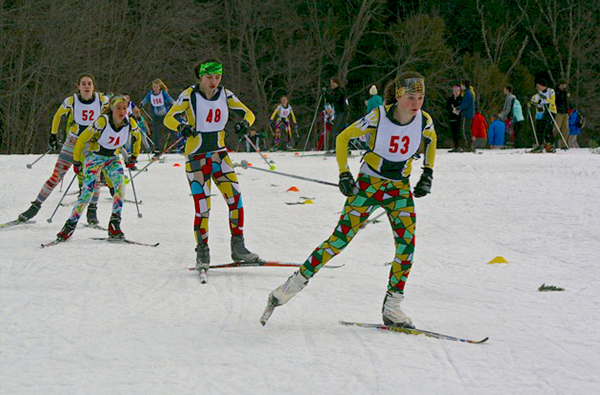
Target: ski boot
column 239, row 252
column 114, row 228
column 92, row 217
column 294, row 284
column 202, row 257
column 202, row 261
column 30, row 212
column 392, row 312
column 67, row 231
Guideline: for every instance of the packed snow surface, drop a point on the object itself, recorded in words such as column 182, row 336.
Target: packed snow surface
column 89, row 317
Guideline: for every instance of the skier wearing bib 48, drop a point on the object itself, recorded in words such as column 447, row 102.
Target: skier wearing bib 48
column 83, row 109
column 206, row 106
column 105, row 136
column 396, row 131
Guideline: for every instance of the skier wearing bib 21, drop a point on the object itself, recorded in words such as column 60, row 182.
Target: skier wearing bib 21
column 105, row 136
column 207, row 106
column 397, row 131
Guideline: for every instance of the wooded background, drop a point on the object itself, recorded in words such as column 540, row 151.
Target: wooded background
column 293, row 47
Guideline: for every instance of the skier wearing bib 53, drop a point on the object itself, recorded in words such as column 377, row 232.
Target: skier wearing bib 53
column 105, row 136
column 397, row 130
column 206, row 106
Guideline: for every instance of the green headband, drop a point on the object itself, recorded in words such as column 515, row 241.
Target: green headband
column 210, row 68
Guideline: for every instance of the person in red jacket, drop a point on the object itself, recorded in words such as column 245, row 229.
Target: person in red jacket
column 479, row 130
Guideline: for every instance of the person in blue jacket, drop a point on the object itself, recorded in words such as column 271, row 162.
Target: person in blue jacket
column 496, row 132
column 160, row 103
column 467, row 112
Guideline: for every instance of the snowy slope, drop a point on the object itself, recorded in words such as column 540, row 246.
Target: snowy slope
column 96, row 318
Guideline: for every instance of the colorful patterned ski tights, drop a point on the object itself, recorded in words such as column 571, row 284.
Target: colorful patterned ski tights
column 200, row 169
column 396, row 198
column 112, row 168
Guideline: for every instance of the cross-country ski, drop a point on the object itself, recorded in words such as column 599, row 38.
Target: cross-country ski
column 412, row 331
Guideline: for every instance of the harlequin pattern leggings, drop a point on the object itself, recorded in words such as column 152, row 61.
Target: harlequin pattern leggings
column 396, row 198
column 94, row 165
column 200, row 169
column 63, row 164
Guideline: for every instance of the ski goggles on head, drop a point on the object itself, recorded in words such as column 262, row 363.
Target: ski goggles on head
column 210, row 68
column 116, row 100
column 410, row 85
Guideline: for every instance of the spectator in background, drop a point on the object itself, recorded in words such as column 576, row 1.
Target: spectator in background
column 479, row 131
column 506, row 114
column 467, row 112
column 453, row 105
column 375, row 100
column 574, row 128
column 496, row 132
column 160, row 103
column 562, row 115
column 254, row 138
column 517, row 122
column 337, row 97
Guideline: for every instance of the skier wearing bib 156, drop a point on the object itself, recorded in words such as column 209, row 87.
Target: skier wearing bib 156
column 83, row 109
column 206, row 106
column 105, row 137
column 397, row 130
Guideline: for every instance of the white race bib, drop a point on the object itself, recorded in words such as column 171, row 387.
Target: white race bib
column 211, row 115
column 397, row 143
column 157, row 100
column 111, row 139
column 86, row 114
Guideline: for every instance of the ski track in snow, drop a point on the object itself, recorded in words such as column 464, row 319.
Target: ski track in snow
column 101, row 318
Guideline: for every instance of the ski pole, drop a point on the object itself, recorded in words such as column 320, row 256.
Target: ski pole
column 557, row 128
column 246, row 165
column 312, row 124
column 271, row 166
column 30, row 165
column 137, row 206
column 159, row 155
column 532, row 125
column 61, row 199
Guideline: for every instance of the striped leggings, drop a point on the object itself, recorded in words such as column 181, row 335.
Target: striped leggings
column 63, row 164
column 396, row 198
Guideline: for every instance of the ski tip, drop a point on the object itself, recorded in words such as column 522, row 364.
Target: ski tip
column 480, row 341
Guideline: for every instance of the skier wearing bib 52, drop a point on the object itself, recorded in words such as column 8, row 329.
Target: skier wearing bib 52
column 397, row 130
column 83, row 109
column 105, row 136
column 206, row 106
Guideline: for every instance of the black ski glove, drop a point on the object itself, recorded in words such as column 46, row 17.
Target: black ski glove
column 347, row 185
column 241, row 127
column 186, row 130
column 53, row 142
column 424, row 185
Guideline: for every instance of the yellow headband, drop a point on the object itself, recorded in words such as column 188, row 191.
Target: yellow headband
column 410, row 85
column 116, row 100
